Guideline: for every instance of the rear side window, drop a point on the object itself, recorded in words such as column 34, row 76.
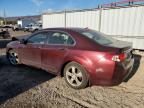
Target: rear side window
column 96, row 36
column 59, row 38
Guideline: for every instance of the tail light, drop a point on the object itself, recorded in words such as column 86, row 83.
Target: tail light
column 119, row 58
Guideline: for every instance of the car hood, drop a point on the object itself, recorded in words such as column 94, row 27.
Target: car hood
column 13, row 44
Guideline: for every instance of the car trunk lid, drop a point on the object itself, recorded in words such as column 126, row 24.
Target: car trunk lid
column 124, row 50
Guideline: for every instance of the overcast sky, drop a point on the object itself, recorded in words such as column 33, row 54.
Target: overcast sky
column 34, row 7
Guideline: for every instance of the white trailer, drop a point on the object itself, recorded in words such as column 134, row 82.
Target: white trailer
column 23, row 23
column 124, row 22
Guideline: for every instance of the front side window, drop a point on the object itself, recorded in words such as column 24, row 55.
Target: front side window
column 59, row 38
column 39, row 38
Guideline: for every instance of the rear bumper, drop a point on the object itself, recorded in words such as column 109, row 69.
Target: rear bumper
column 113, row 75
column 129, row 71
column 122, row 72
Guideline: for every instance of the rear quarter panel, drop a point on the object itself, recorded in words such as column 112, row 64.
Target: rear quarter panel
column 99, row 68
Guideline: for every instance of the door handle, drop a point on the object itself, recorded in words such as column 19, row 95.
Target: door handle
column 62, row 48
column 36, row 47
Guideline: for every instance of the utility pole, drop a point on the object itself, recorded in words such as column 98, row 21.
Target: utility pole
column 100, row 18
column 65, row 15
column 4, row 14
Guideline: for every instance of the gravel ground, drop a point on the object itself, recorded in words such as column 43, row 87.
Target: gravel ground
column 27, row 87
column 16, row 33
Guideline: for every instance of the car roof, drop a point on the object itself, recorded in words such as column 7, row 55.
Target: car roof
column 67, row 29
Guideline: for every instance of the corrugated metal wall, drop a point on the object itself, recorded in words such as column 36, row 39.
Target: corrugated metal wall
column 125, row 23
column 72, row 19
column 53, row 20
column 83, row 19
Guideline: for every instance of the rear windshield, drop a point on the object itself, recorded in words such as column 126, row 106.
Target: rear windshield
column 97, row 37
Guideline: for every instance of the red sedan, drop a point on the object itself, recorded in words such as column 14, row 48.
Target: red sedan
column 82, row 56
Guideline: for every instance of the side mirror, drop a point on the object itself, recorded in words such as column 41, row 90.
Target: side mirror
column 23, row 41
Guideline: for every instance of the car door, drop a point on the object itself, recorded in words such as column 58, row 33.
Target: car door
column 31, row 51
column 55, row 50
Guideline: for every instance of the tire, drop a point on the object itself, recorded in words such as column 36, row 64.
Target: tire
column 75, row 75
column 13, row 57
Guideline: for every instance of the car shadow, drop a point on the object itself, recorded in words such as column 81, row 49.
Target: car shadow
column 15, row 80
column 4, row 42
column 136, row 65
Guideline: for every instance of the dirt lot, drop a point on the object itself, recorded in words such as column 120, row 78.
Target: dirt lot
column 13, row 34
column 29, row 87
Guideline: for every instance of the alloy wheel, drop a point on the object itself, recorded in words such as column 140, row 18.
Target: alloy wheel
column 13, row 58
column 74, row 76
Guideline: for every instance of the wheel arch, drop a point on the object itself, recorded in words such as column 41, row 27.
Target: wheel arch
column 78, row 60
column 62, row 68
column 8, row 49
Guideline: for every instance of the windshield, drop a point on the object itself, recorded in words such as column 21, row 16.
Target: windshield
column 97, row 37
